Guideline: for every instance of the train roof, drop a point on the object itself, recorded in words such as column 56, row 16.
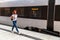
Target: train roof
column 17, row 3
column 20, row 3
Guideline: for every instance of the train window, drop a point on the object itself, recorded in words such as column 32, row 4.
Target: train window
column 36, row 12
column 4, row 11
column 20, row 12
column 44, row 12
column 0, row 11
column 7, row 12
column 57, row 13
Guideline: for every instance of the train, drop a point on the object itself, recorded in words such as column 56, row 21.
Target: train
column 30, row 13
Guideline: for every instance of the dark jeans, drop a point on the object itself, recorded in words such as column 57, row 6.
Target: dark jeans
column 14, row 25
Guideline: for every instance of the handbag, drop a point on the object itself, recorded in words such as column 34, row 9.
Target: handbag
column 11, row 18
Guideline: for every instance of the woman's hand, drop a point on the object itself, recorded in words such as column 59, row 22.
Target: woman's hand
column 11, row 17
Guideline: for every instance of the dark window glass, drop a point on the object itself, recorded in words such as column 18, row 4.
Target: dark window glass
column 7, row 12
column 4, row 11
column 57, row 13
column 43, row 12
column 20, row 12
column 36, row 12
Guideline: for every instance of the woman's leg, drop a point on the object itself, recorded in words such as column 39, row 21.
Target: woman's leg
column 16, row 26
column 13, row 26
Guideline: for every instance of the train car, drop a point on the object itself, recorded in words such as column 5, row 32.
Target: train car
column 30, row 13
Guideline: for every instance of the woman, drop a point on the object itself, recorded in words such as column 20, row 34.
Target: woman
column 14, row 20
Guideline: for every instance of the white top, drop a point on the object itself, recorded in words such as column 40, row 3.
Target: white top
column 14, row 17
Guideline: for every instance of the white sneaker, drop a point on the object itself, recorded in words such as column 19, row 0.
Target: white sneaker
column 19, row 33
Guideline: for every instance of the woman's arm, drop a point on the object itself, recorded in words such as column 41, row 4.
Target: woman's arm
column 11, row 17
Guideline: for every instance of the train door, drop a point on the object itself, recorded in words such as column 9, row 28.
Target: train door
column 57, row 17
